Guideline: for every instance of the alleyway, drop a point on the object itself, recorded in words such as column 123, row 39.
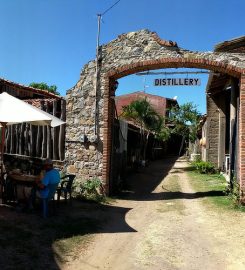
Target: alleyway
column 168, row 228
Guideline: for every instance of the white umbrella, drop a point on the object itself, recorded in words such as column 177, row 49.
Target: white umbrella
column 14, row 111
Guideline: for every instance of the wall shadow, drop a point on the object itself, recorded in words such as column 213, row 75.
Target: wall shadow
column 142, row 183
column 140, row 186
column 175, row 195
column 27, row 241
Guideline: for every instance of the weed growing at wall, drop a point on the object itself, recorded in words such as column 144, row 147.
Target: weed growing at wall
column 91, row 189
column 234, row 195
column 204, row 167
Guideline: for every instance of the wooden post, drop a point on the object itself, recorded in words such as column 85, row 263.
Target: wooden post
column 21, row 139
column 2, row 145
column 38, row 141
column 26, row 146
column 44, row 141
column 39, row 136
column 32, row 140
column 49, row 146
column 7, row 140
column 55, row 133
column 11, row 140
column 62, row 132
column 16, row 138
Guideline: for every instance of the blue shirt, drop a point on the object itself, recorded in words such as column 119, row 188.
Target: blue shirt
column 50, row 180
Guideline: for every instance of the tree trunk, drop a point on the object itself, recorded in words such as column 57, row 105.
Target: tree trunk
column 145, row 145
column 181, row 145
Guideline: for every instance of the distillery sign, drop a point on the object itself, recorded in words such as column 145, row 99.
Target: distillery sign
column 177, row 82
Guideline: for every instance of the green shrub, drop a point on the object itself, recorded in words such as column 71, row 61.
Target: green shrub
column 204, row 167
column 91, row 189
column 234, row 193
column 91, row 185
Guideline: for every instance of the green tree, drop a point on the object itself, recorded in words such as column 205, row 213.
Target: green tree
column 185, row 119
column 143, row 115
column 44, row 86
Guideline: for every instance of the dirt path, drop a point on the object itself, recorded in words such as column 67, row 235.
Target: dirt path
column 167, row 228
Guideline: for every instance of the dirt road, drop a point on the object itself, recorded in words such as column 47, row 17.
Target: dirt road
column 166, row 227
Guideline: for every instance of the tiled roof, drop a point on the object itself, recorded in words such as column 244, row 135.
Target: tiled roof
column 157, row 102
column 233, row 45
column 37, row 102
column 30, row 89
column 217, row 82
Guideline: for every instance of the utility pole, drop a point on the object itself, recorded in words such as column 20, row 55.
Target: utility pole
column 98, row 59
column 97, row 73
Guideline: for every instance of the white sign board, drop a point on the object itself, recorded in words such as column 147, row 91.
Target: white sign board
column 177, row 82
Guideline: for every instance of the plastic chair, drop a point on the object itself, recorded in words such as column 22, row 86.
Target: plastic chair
column 8, row 189
column 66, row 187
column 52, row 190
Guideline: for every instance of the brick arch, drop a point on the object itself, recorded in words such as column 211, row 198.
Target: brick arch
column 174, row 63
column 115, row 74
column 89, row 107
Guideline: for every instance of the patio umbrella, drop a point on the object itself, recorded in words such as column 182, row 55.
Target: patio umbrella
column 14, row 111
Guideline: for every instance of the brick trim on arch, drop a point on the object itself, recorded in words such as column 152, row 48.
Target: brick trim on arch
column 158, row 64
column 174, row 63
column 163, row 42
column 107, row 134
column 242, row 137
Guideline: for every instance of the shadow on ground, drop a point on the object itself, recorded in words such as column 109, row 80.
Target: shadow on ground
column 28, row 241
column 142, row 183
column 140, row 186
column 169, row 195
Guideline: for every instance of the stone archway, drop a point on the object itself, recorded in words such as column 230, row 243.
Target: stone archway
column 89, row 112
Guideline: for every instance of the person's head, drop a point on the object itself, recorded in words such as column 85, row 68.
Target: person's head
column 48, row 164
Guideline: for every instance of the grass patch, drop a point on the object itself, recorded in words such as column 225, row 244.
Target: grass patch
column 215, row 186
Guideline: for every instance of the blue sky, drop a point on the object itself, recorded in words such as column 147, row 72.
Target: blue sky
column 50, row 40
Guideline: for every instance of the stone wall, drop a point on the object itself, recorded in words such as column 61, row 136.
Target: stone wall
column 128, row 54
column 213, row 129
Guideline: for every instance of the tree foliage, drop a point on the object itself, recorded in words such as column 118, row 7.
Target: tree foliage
column 44, row 86
column 143, row 115
column 185, row 119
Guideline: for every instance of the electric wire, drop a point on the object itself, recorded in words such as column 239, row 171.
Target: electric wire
column 102, row 14
column 171, row 72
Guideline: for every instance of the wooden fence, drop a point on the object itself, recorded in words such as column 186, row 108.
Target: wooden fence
column 39, row 141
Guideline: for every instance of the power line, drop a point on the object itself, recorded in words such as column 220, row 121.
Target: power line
column 102, row 14
column 173, row 72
